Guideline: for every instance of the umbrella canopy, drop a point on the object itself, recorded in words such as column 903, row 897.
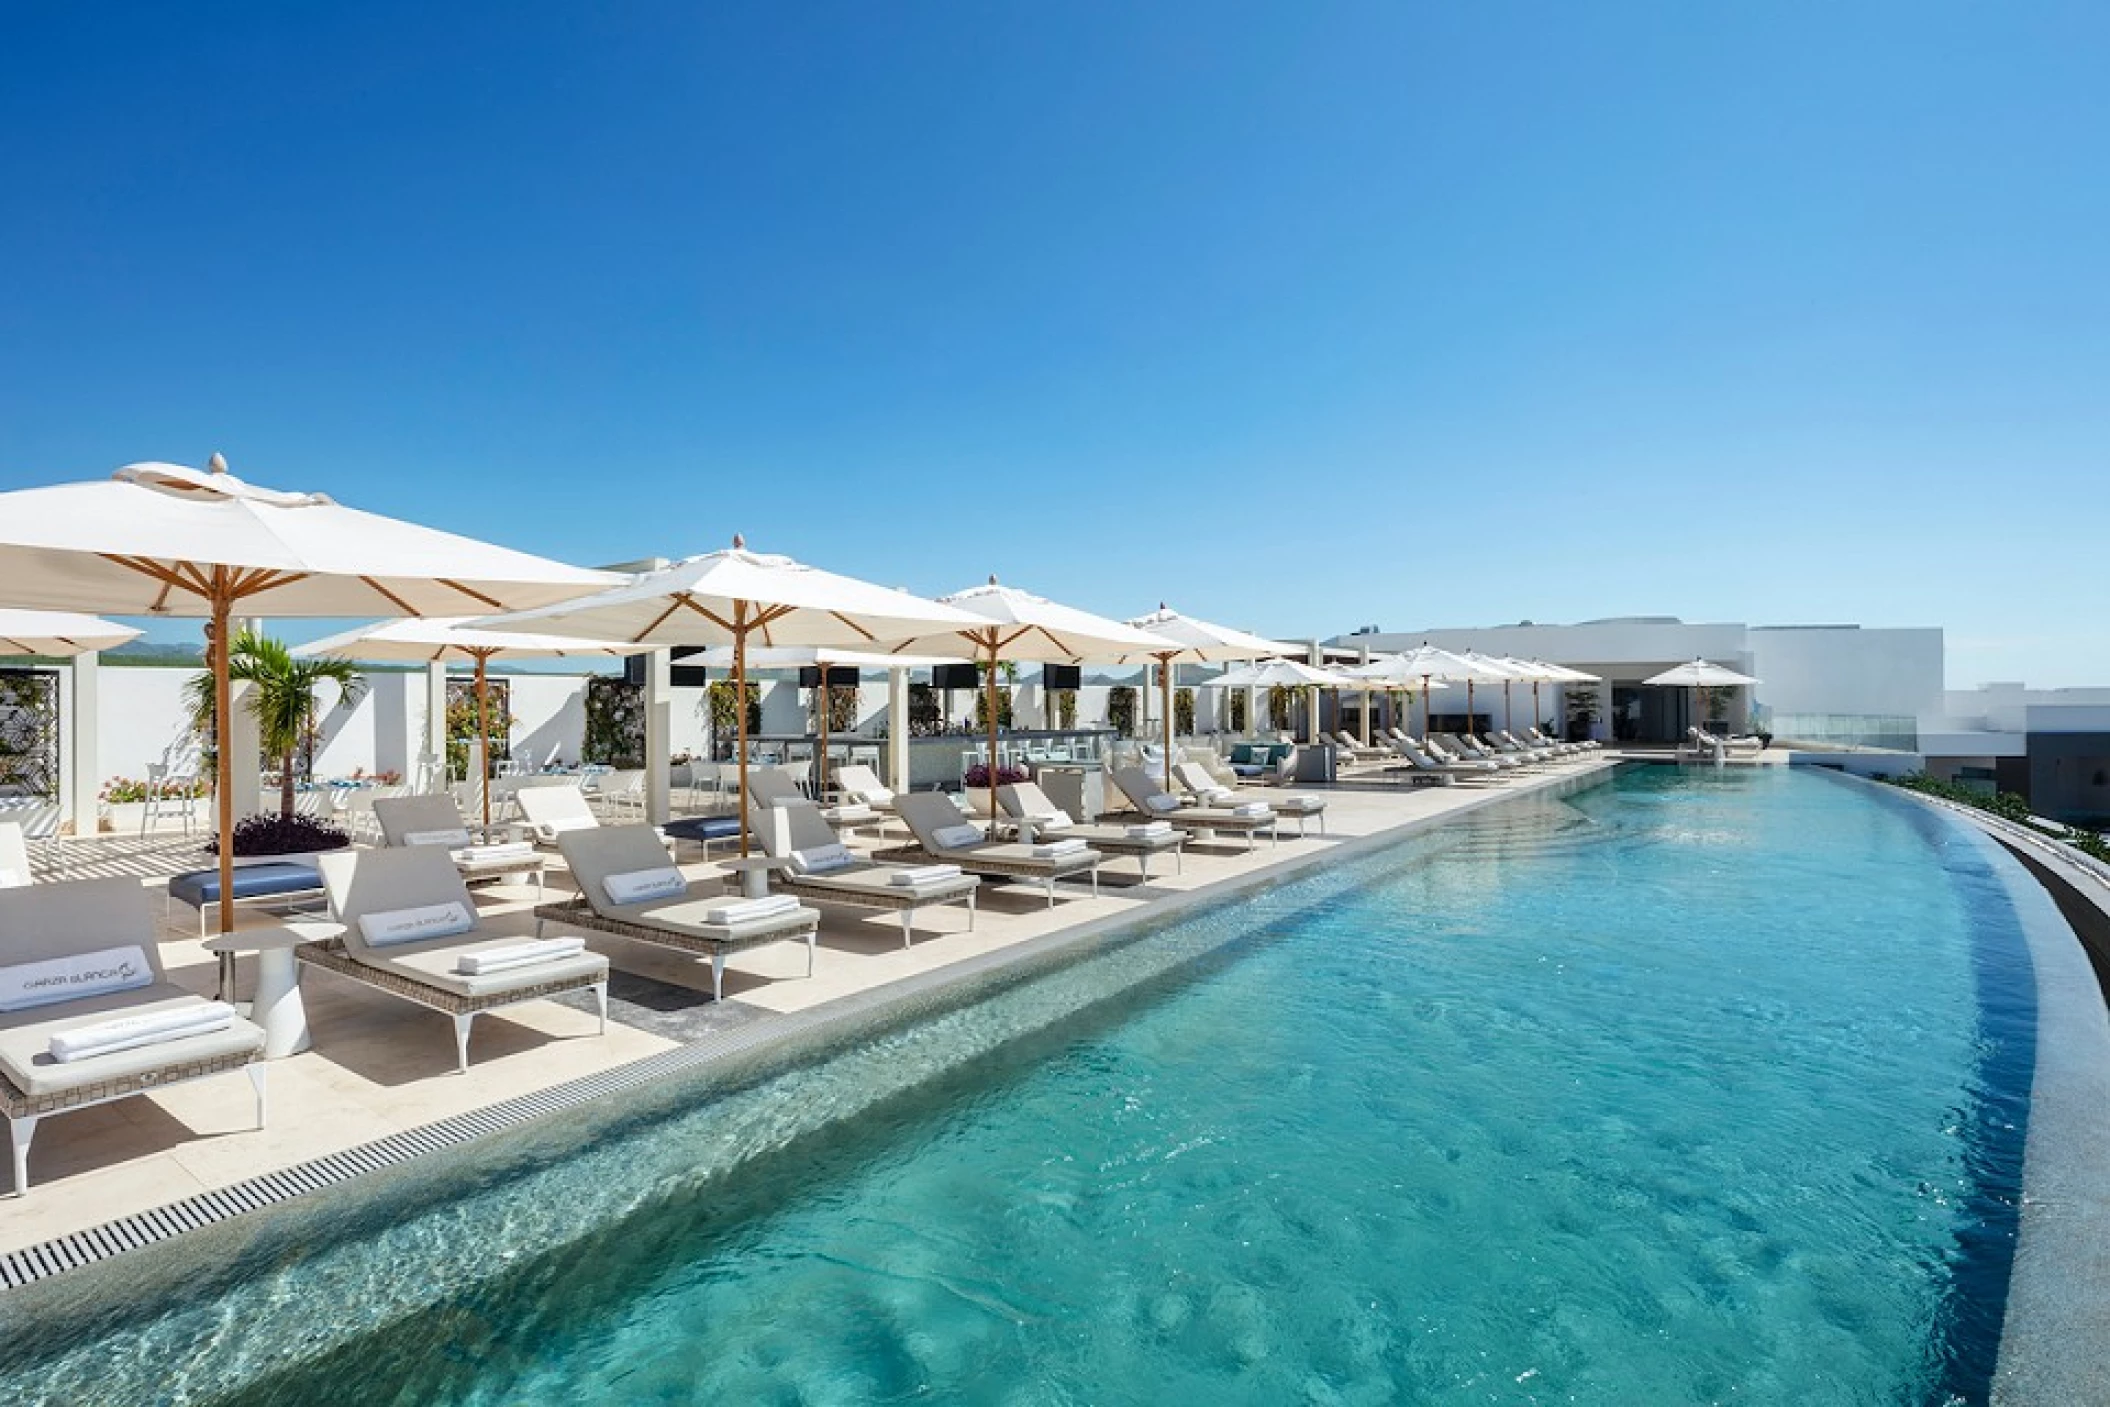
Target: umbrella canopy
column 454, row 638
column 1291, row 674
column 735, row 597
column 1700, row 674
column 59, row 634
column 1192, row 641
column 1430, row 664
column 167, row 540
column 1012, row 624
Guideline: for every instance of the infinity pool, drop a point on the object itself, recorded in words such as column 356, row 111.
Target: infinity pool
column 1689, row 1088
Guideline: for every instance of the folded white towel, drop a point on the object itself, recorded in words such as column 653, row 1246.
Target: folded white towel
column 742, row 910
column 908, row 876
column 384, row 927
column 1150, row 831
column 953, row 837
column 821, row 859
column 1252, row 809
column 638, row 886
column 527, row 954
column 131, row 1032
column 1162, row 802
column 509, row 850
column 1217, row 796
column 454, row 835
column 1057, row 849
column 61, row 979
column 850, row 815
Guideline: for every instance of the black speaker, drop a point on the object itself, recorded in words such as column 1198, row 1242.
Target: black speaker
column 955, row 676
column 1062, row 676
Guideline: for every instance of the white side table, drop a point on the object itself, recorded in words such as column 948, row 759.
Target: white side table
column 754, row 873
column 277, row 1008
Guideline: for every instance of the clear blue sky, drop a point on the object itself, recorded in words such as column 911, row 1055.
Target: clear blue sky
column 1298, row 316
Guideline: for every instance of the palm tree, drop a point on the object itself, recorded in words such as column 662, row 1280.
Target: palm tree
column 283, row 699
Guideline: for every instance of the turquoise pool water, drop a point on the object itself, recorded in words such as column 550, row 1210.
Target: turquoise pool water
column 1689, row 1088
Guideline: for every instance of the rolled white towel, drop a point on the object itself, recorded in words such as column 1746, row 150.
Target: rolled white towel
column 1150, row 831
column 1253, row 810
column 507, row 850
column 743, row 910
column 131, row 1032
column 1217, row 796
column 527, row 954
column 908, row 876
column 1057, row 849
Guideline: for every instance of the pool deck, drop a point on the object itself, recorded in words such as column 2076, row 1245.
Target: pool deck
column 381, row 1066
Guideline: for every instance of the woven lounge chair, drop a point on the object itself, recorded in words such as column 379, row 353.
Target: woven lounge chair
column 771, row 786
column 861, row 786
column 1423, row 763
column 1026, row 801
column 1208, row 791
column 1357, row 751
column 1144, row 794
column 366, row 887
column 683, row 920
column 104, row 930
column 434, row 821
column 941, row 833
column 1586, row 745
column 1450, row 747
column 798, row 833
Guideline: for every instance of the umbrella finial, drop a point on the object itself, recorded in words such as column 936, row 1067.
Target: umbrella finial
column 992, row 578
column 218, row 463
column 1161, row 605
column 739, row 542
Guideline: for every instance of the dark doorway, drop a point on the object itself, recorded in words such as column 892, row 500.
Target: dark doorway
column 1647, row 713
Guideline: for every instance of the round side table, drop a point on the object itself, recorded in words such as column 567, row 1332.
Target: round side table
column 277, row 1007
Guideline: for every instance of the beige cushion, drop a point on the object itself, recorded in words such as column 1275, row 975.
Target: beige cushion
column 432, row 963
column 25, row 1039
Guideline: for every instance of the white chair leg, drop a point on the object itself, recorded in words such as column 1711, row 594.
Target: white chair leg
column 255, row 1069
column 907, row 918
column 600, row 995
column 19, row 1132
column 1143, row 862
column 970, row 911
column 1095, row 881
column 813, row 943
column 461, row 1041
column 717, row 977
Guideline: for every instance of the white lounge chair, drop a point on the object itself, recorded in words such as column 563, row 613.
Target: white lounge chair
column 98, row 938
column 414, row 821
column 14, row 857
column 946, row 836
column 1246, row 819
column 1208, row 791
column 385, row 897
column 1026, row 801
column 820, row 869
column 612, row 863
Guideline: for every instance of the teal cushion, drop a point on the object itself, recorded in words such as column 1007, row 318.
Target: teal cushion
column 1242, row 753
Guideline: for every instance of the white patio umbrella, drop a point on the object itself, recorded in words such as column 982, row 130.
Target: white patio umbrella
column 1282, row 673
column 1546, row 672
column 60, row 634
column 453, row 638
column 168, row 540
column 1193, row 641
column 816, row 656
column 732, row 596
column 1700, row 676
column 1428, row 663
column 1012, row 624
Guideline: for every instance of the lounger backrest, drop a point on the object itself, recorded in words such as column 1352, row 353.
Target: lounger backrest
column 1024, row 799
column 14, row 856
column 595, row 854
column 796, row 825
column 860, row 780
column 380, row 881
column 1137, row 785
column 927, row 812
column 1196, row 778
column 772, row 786
column 43, row 921
column 1286, row 764
column 402, row 816
column 556, row 806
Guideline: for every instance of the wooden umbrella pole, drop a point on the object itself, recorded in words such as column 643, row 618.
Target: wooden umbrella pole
column 989, row 692
column 483, row 736
column 740, row 711
column 223, row 728
column 1424, row 709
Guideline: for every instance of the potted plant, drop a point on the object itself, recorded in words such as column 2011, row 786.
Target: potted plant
column 124, row 804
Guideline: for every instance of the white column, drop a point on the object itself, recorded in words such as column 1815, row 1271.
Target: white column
column 897, row 729
column 82, row 782
column 433, row 750
column 659, row 729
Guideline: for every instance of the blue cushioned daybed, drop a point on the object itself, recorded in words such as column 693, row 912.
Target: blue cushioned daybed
column 274, row 881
